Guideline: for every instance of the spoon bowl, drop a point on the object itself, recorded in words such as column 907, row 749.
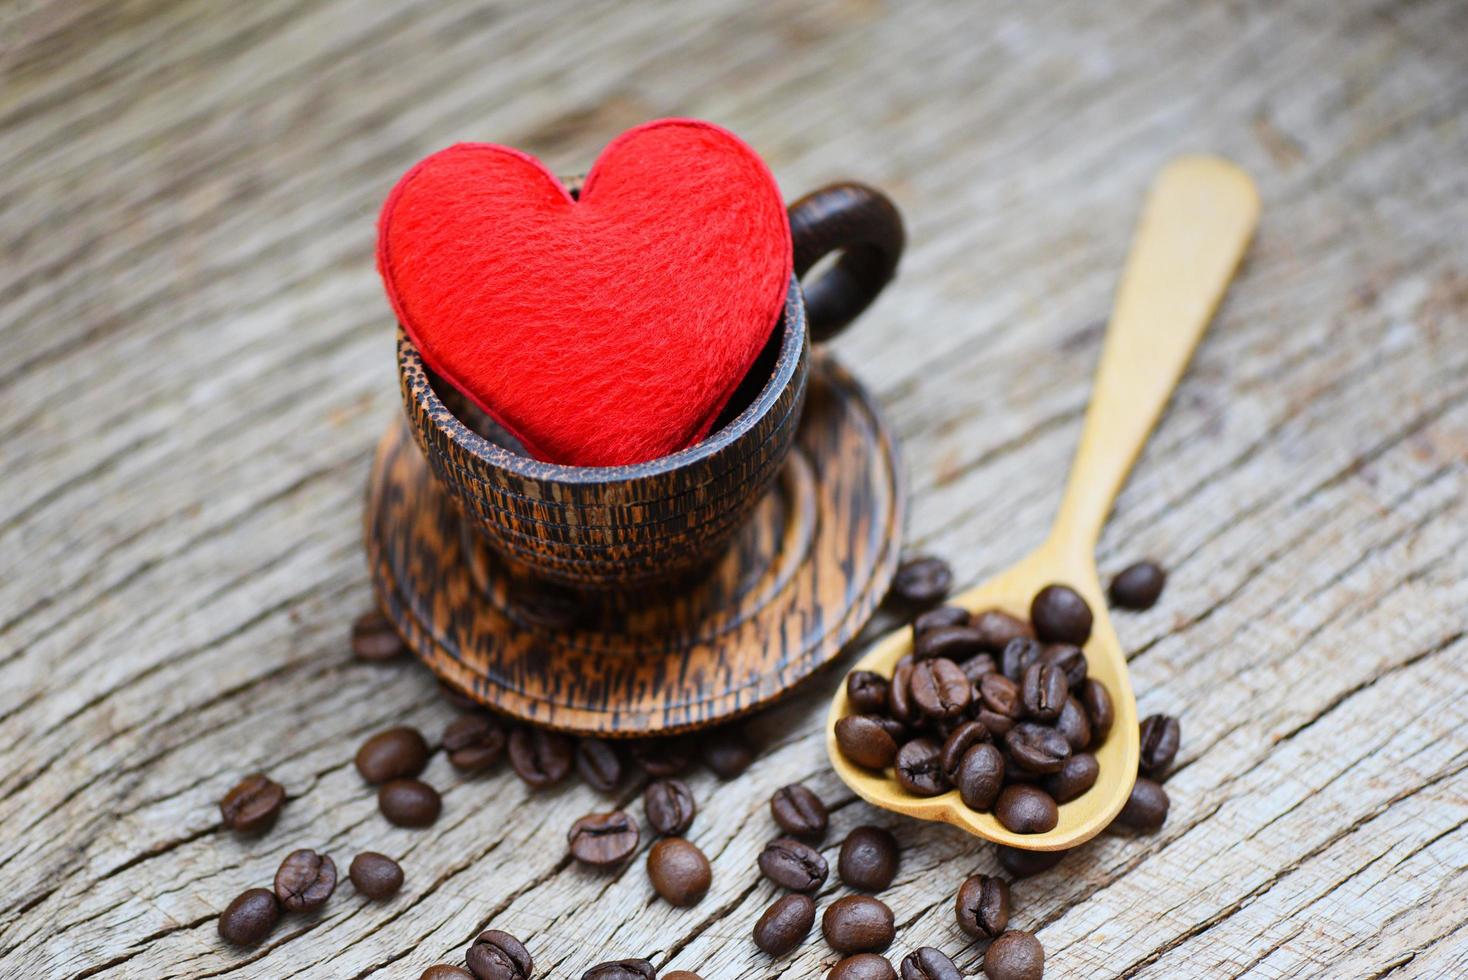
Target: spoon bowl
column 1199, row 217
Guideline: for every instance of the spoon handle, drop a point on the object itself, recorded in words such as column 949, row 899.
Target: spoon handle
column 1195, row 226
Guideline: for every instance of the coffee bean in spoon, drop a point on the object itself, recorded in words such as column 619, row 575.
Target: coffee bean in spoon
column 1001, row 696
column 1074, row 779
column 1026, row 809
column 785, row 924
column 1146, row 808
column 374, row 640
column 1137, row 586
column 376, row 876
column 1074, row 725
column 899, row 694
column 1037, row 748
column 998, row 628
column 921, row 582
column 679, row 871
column 397, row 753
column 1044, row 691
column 964, row 737
column 865, row 741
column 474, row 742
column 980, row 776
column 1017, row 656
column 409, row 802
column 305, row 880
column 868, row 859
column 1015, row 955
column 950, row 642
column 941, row 616
column 793, row 864
column 866, row 690
column 1160, row 737
column 863, row 966
column 252, row 806
column 497, row 955
column 603, row 840
column 1060, row 615
column 939, row 689
column 982, row 906
column 669, row 806
column 622, row 970
column 799, row 811
column 858, row 924
column 599, row 764
column 540, row 758
column 927, row 963
column 1097, row 702
column 918, row 767
column 1069, row 658
column 248, row 919
column 975, row 667
column 1020, row 863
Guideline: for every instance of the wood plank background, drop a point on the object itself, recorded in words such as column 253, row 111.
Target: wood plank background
column 198, row 360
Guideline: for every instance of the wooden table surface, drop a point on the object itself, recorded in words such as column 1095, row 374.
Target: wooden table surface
column 198, row 362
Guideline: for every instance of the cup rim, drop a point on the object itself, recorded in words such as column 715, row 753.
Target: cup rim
column 792, row 345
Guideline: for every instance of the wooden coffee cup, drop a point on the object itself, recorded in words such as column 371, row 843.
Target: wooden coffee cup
column 653, row 524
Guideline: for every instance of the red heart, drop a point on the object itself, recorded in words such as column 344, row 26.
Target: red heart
column 606, row 330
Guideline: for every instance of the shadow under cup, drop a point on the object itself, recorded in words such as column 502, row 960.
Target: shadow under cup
column 615, row 529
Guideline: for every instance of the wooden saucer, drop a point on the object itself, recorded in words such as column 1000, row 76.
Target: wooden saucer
column 799, row 582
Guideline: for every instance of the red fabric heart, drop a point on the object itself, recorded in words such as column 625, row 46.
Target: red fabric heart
column 606, row 330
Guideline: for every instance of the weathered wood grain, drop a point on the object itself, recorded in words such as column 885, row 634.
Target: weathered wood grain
column 198, row 365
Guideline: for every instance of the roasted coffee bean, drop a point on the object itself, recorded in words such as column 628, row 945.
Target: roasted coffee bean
column 305, row 880
column 927, row 963
column 980, row 776
column 785, row 924
column 374, row 640
column 939, row 689
column 799, row 812
column 669, row 806
column 998, row 725
column 918, row 767
column 679, row 871
column 458, row 699
column 1146, row 808
column 599, row 764
column 863, row 966
column 1074, row 725
column 922, row 582
column 1000, row 695
column 1017, row 655
column 540, row 758
column 941, row 616
column 398, row 753
column 1015, row 955
column 1160, row 737
column 443, row 971
column 681, row 975
column 950, row 642
column 496, row 955
column 409, row 802
column 868, row 860
column 1076, row 776
column 959, row 741
column 253, row 804
column 249, row 918
column 1097, row 702
column 1138, row 586
column 1037, row 748
column 375, row 875
column 997, row 629
column 1060, row 615
column 603, row 840
column 1020, row 863
column 474, row 743
column 726, row 752
column 865, row 741
column 1069, row 658
column 622, row 970
column 867, row 691
column 1044, row 691
column 1026, row 809
column 974, row 668
column 982, row 906
column 664, row 757
column 893, row 727
column 793, row 865
column 899, row 694
column 858, row 924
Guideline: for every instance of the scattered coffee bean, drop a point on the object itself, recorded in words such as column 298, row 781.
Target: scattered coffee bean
column 1019, row 863
column 1146, row 808
column 681, row 975
column 679, row 871
column 1138, row 586
column 922, row 582
column 799, row 811
column 1074, row 726
column 1076, row 776
column 1037, row 748
column 865, row 741
column 253, row 804
column 792, row 864
column 540, row 758
column 599, row 764
column 663, row 757
column 473, row 742
column 939, row 689
column 927, row 963
column 1097, row 702
column 376, row 876
column 1017, row 656
column 998, row 628
column 458, row 699
column 496, row 955
column 1060, row 615
column 249, row 918
column 1160, row 737
column 918, row 767
column 950, row 642
column 863, row 966
column 1044, row 691
column 409, row 802
column 603, row 840
column 1026, row 809
column 1069, row 658
column 983, row 906
column 398, row 753
column 305, row 880
column 980, row 776
column 785, row 924
column 858, row 924
column 374, row 640
column 868, row 860
column 669, row 806
column 1015, row 955
column 442, row 971
column 726, row 752
column 959, row 741
column 621, row 970
column 867, row 691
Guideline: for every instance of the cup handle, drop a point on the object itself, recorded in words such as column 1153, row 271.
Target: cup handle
column 863, row 225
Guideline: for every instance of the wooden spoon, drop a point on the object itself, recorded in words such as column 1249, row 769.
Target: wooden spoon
column 1198, row 219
